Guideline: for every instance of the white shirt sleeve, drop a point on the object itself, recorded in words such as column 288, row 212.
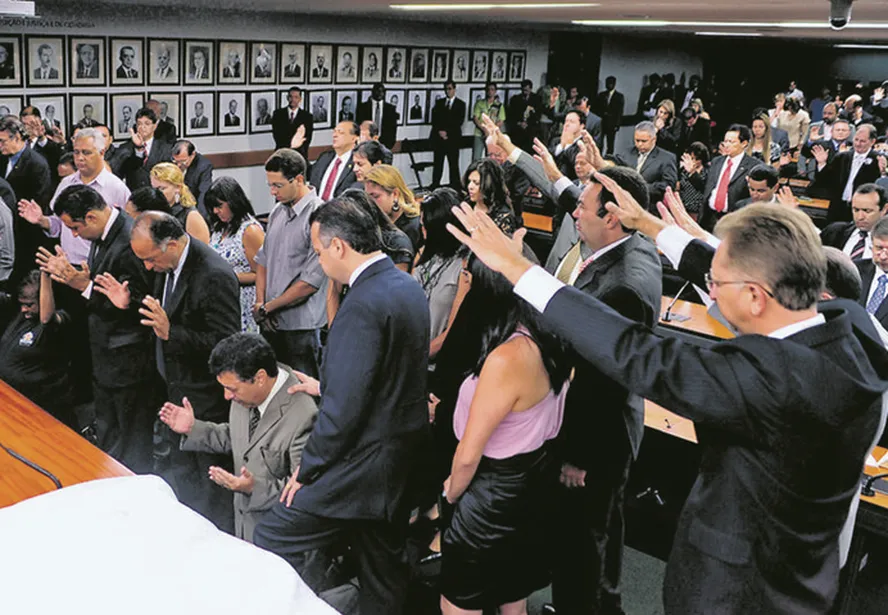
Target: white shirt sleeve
column 673, row 241
column 561, row 184
column 513, row 157
column 87, row 292
column 537, row 287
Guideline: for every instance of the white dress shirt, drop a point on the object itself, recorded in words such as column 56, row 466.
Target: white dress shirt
column 177, row 271
column 735, row 164
column 858, row 161
column 575, row 272
column 114, row 213
column 279, row 381
column 852, row 242
column 344, row 158
column 363, row 267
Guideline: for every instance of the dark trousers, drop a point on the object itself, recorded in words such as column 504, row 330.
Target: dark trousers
column 610, row 137
column 124, row 423
column 378, row 547
column 298, row 349
column 450, row 150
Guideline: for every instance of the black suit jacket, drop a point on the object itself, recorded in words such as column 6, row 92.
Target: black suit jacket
column 199, row 178
column 121, row 73
column 448, row 120
column 204, row 309
column 7, row 195
column 784, row 427
column 347, row 177
column 867, row 269
column 833, row 177
column 837, row 234
column 134, row 169
column 660, row 170
column 780, row 136
column 30, row 179
column 389, row 129
column 373, row 416
column 166, row 131
column 611, row 112
column 737, row 188
column 51, row 152
column 283, row 129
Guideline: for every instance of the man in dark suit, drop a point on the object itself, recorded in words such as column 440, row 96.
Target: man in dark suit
column 195, row 304
column 796, row 395
column 564, row 147
column 650, row 97
column 448, row 116
column 868, row 205
column 287, row 120
column 124, row 380
column 693, row 129
column 293, row 69
column 199, row 120
column 383, row 114
column 684, row 95
column 658, row 167
column 45, row 54
column 320, row 71
column 610, row 108
column 87, row 61
column 874, row 274
column 523, row 116
column 143, row 151
column 841, row 138
column 762, row 181
column 333, row 172
column 127, row 57
column 593, row 121
column 232, row 118
column 39, row 142
column 198, row 171
column 166, row 129
column 847, row 171
column 354, row 482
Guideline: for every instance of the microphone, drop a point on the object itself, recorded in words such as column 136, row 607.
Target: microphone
column 867, row 487
column 667, row 315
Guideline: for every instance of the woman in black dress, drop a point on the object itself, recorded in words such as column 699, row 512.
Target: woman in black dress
column 486, row 188
column 386, row 187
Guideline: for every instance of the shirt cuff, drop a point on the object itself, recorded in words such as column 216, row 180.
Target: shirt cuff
column 537, row 287
column 561, row 184
column 513, row 157
column 672, row 241
column 87, row 293
column 55, row 227
column 713, row 241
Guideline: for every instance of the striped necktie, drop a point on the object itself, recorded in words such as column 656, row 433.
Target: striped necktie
column 254, row 422
column 860, row 247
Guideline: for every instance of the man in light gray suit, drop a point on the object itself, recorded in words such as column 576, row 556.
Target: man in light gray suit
column 266, row 429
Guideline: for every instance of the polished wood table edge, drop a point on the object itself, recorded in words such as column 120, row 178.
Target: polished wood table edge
column 537, row 222
column 660, row 419
column 699, row 322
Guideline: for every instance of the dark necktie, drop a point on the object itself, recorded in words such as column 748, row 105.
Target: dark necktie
column 254, row 421
column 158, row 343
column 93, row 254
column 857, row 251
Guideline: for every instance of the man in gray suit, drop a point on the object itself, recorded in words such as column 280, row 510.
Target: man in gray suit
column 266, row 429
column 658, row 167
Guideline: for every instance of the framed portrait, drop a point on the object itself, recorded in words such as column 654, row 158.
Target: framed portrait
column 319, row 107
column 232, row 111
column 231, row 62
column 52, row 110
column 417, row 106
column 475, row 95
column 127, row 61
column 499, row 66
column 89, row 109
column 320, row 64
column 517, row 62
column 123, row 114
column 346, row 105
column 459, row 71
column 261, row 108
column 87, row 61
column 10, row 61
column 263, row 63
column 292, row 63
column 371, row 64
column 419, row 65
column 395, row 64
column 164, row 66
column 346, row 63
column 284, row 97
column 480, row 68
column 440, row 65
column 10, row 105
column 170, row 108
column 200, row 113
column 397, row 98
column 198, row 63
column 46, row 61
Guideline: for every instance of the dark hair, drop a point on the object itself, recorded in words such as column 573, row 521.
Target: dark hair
column 77, row 200
column 294, row 88
column 344, row 219
column 766, row 173
column 372, row 128
column 436, row 212
column 699, row 151
column 188, row 145
column 488, row 84
column 146, row 112
column 243, row 354
column 526, row 83
column 627, row 178
column 13, row 125
column 227, row 190
column 387, row 228
column 580, row 115
column 742, row 131
column 67, row 158
column 161, row 227
column 842, row 277
column 147, row 198
column 493, row 184
column 30, row 110
column 871, row 130
column 30, row 280
column 449, row 82
column 288, row 162
column 874, row 188
column 373, row 151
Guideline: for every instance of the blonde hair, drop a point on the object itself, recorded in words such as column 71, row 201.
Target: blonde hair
column 171, row 174
column 390, row 179
column 669, row 106
column 766, row 138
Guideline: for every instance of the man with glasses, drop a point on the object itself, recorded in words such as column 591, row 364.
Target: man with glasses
column 726, row 182
column 143, row 151
column 874, row 274
column 448, row 116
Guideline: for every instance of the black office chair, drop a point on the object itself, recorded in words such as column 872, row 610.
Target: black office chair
column 408, row 147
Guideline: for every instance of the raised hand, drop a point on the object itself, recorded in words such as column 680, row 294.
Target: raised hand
column 60, row 269
column 307, row 384
column 118, row 293
column 298, row 137
column 786, row 198
column 291, row 488
column 138, row 141
column 544, row 156
column 815, row 133
column 572, row 476
column 495, row 135
column 630, row 213
column 179, row 418
column 490, row 244
column 30, row 211
column 593, row 154
column 883, row 164
column 243, row 483
column 673, row 211
column 433, row 405
column 820, row 155
column 878, row 95
column 785, row 159
column 155, row 317
column 690, row 164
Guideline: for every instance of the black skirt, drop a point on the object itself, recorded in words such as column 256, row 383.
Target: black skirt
column 496, row 549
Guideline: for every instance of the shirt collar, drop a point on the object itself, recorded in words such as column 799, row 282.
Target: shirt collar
column 15, row 157
column 294, row 209
column 178, row 269
column 279, row 381
column 110, row 223
column 602, row 251
column 797, row 327
column 735, row 160
column 363, row 267
column 99, row 179
column 864, row 155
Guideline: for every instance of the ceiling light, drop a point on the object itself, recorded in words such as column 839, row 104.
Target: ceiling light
column 648, row 23
column 488, row 6
column 728, row 33
column 850, row 46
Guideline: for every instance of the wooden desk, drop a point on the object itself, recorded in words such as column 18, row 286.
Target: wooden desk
column 37, row 436
column 699, row 321
column 537, row 222
column 661, row 419
column 808, row 202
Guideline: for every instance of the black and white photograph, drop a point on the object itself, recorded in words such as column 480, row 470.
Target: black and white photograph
column 10, row 61
column 371, row 64
column 163, row 62
column 320, row 64
column 440, row 65
column 87, row 61
column 475, row 95
column 499, row 66
column 397, row 99
column 127, row 61
column 198, row 63
column 284, row 99
column 517, row 61
column 479, row 67
column 170, row 108
column 263, row 63
column 123, row 114
column 52, row 110
column 346, row 64
column 231, row 62
column 417, row 106
column 200, row 114
column 261, row 108
column 88, row 110
column 292, row 63
column 346, row 105
column 232, row 112
column 395, row 64
column 319, row 107
column 10, row 105
column 460, row 71
column 46, row 65
column 419, row 65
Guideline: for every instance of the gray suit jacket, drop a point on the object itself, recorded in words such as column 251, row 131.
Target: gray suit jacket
column 567, row 200
column 271, row 456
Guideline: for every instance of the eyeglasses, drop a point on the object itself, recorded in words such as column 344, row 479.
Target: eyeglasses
column 711, row 283
column 279, row 185
column 880, row 249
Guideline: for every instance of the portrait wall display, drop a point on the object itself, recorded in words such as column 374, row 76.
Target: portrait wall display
column 460, row 70
column 346, row 105
column 480, row 68
column 232, row 55
column 292, row 63
column 319, row 107
column 198, row 63
column 517, row 65
column 320, row 64
column 10, row 61
column 396, row 64
column 46, row 61
column 263, row 63
column 164, row 66
column 475, row 95
column 440, row 65
column 371, row 64
column 347, row 64
column 419, row 65
column 52, row 110
column 127, row 60
column 200, row 114
column 170, row 108
column 499, row 66
column 87, row 61
column 123, row 114
column 10, row 105
column 88, row 110
column 232, row 112
column 417, row 106
column 397, row 99
column 261, row 108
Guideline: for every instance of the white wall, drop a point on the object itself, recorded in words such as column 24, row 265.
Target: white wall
column 174, row 22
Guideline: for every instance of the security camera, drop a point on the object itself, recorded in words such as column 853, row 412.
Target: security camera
column 839, row 13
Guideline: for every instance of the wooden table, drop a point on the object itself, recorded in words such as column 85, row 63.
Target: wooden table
column 698, row 323
column 661, row 419
column 40, row 438
column 537, row 222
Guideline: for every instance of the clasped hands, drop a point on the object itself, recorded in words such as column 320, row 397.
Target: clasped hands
column 61, row 270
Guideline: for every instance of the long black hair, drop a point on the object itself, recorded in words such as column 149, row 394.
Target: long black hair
column 492, row 185
column 387, row 228
column 436, row 212
column 227, row 190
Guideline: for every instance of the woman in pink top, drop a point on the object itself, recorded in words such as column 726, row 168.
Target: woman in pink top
column 494, row 551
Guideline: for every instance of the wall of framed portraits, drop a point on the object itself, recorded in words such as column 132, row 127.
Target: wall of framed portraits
column 220, row 74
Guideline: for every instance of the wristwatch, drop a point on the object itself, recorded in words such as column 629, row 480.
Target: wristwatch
column 261, row 312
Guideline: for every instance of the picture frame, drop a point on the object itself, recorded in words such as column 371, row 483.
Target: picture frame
column 126, row 61
column 232, row 62
column 199, row 113
column 517, row 66
column 123, row 113
column 87, row 66
column 198, row 63
column 475, row 94
column 347, row 57
column 398, row 99
column 11, row 61
column 320, row 65
column 395, row 65
column 45, row 61
column 261, row 108
column 419, row 65
column 263, row 63
column 439, row 70
column 232, row 113
column 170, row 108
column 346, row 105
column 417, row 107
column 371, row 65
column 319, row 107
column 11, row 105
column 88, row 108
column 480, row 66
column 461, row 64
column 164, row 62
column 499, row 66
column 292, row 63
column 53, row 110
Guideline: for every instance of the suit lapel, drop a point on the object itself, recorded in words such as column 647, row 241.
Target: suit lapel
column 867, row 271
column 275, row 410
column 102, row 251
column 181, row 283
column 601, row 264
column 347, row 170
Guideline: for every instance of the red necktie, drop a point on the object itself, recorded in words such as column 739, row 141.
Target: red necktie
column 585, row 264
column 331, row 181
column 721, row 194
